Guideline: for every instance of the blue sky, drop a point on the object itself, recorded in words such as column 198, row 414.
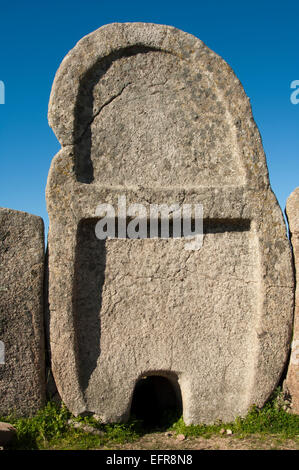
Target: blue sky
column 259, row 40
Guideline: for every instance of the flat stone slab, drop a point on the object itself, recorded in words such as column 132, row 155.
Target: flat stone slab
column 22, row 380
column 150, row 113
column 292, row 380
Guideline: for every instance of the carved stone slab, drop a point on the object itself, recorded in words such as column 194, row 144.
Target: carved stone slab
column 150, row 113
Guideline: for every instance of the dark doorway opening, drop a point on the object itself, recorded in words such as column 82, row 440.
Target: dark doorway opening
column 157, row 401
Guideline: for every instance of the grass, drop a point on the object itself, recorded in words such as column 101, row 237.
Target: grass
column 271, row 419
column 49, row 428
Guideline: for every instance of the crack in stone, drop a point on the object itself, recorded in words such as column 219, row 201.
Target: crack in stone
column 100, row 110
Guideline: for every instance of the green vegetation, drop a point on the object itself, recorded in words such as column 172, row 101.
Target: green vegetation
column 50, row 428
column 273, row 418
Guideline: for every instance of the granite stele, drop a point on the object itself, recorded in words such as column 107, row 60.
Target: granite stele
column 149, row 113
column 22, row 351
column 292, row 379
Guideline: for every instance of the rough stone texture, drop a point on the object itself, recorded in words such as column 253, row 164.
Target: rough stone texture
column 22, row 379
column 292, row 380
column 149, row 112
column 7, row 433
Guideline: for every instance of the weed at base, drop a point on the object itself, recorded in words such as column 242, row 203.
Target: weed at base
column 50, row 428
column 273, row 418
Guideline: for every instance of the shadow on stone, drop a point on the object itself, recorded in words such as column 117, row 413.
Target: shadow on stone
column 90, row 264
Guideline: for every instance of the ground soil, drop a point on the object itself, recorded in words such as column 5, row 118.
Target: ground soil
column 160, row 441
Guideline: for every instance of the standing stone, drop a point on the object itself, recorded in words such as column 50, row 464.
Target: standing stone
column 292, row 380
column 21, row 312
column 150, row 113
